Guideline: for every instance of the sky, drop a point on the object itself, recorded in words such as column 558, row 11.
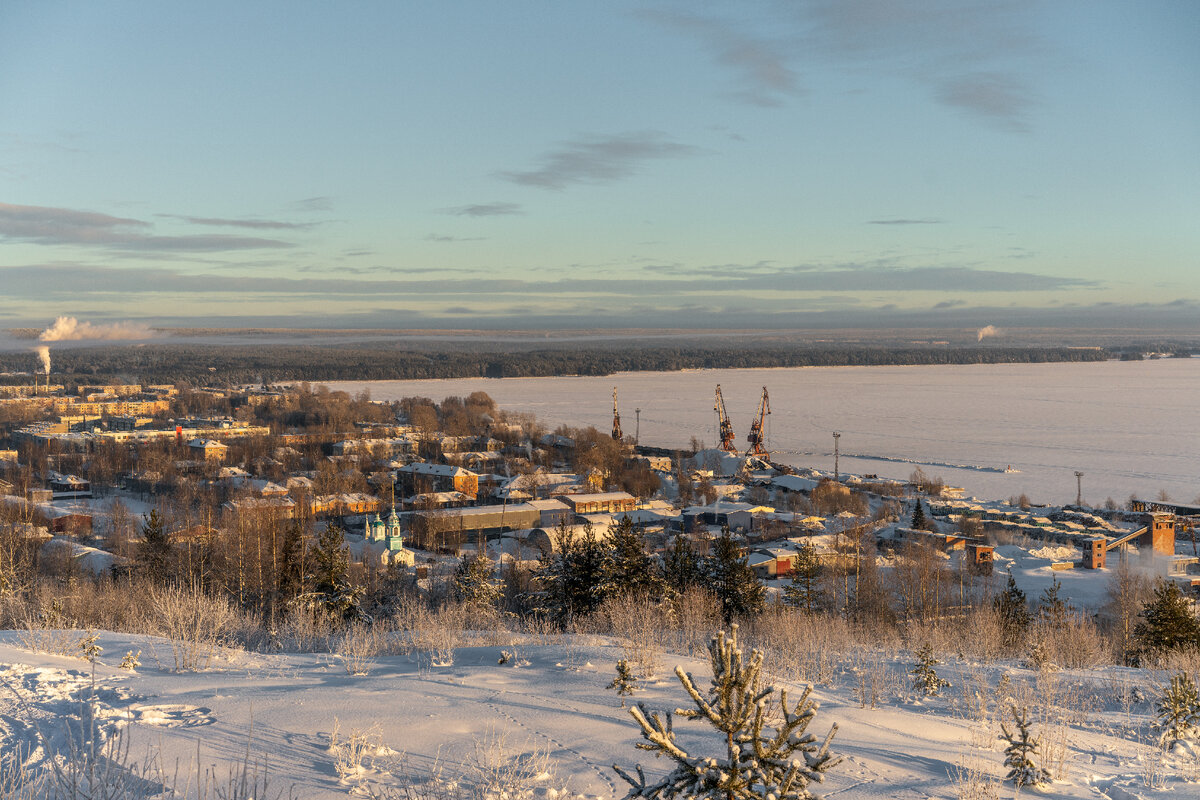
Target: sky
column 615, row 164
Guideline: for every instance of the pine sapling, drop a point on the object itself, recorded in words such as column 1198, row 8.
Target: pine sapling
column 759, row 761
column 925, row 678
column 88, row 649
column 130, row 661
column 1178, row 712
column 1021, row 751
column 626, row 682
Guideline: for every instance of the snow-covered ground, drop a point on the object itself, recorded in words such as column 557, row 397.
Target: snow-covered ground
column 1128, row 426
column 299, row 712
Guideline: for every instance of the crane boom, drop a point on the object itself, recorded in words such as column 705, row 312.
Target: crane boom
column 724, row 427
column 756, row 438
column 616, row 431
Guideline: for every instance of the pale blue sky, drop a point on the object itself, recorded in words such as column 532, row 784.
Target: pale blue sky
column 528, row 164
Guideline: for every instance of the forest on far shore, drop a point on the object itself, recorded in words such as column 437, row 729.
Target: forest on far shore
column 239, row 364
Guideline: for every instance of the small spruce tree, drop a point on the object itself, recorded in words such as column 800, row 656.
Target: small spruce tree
column 759, row 761
column 681, row 566
column 629, row 569
column 1052, row 609
column 331, row 579
column 918, row 522
column 1178, row 711
column 1013, row 611
column 1021, row 751
column 1167, row 621
column 732, row 580
column 626, row 682
column 925, row 678
column 475, row 582
column 154, row 552
column 804, row 592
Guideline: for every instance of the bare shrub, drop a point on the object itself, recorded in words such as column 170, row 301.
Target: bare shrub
column 357, row 645
column 807, row 648
column 697, row 613
column 350, row 752
column 494, row 770
column 982, row 635
column 48, row 629
column 973, row 780
column 196, row 624
column 433, row 634
column 1075, row 643
column 304, row 631
column 642, row 629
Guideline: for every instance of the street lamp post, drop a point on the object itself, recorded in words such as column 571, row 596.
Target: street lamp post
column 836, row 436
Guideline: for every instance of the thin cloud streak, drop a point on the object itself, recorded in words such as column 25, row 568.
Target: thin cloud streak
column 256, row 224
column 63, row 226
column 599, row 159
column 905, row 221
column 62, row 281
column 759, row 63
column 483, row 210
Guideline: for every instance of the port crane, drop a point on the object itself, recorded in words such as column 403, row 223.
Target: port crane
column 616, row 431
column 724, row 426
column 756, row 438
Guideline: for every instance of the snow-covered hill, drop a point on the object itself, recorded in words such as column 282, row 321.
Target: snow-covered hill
column 547, row 706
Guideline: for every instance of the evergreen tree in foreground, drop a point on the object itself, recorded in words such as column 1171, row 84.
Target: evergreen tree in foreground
column 1020, row 753
column 331, row 571
column 918, row 522
column 804, row 592
column 1167, row 621
column 925, row 678
column 629, row 568
column 154, row 552
column 475, row 582
column 681, row 566
column 1011, row 607
column 626, row 682
column 732, row 580
column 759, row 761
column 1178, row 711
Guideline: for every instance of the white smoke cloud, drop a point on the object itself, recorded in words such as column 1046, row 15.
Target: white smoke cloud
column 44, row 354
column 67, row 329
column 988, row 330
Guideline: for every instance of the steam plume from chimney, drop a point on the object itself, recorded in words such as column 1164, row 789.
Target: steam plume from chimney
column 70, row 329
column 988, row 330
column 44, row 355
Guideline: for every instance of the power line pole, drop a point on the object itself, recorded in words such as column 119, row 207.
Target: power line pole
column 836, row 436
column 1079, row 489
column 637, row 429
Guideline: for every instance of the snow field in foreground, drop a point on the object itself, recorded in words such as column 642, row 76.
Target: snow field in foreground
column 547, row 714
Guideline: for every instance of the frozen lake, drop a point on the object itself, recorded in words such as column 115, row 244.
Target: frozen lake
column 1130, row 427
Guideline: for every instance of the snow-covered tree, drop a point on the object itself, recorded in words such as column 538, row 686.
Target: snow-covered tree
column 475, row 582
column 731, row 579
column 681, row 566
column 759, row 761
column 1013, row 611
column 918, row 521
column 804, row 592
column 925, row 678
column 1178, row 711
column 626, row 682
column 332, row 590
column 1167, row 621
column 1021, row 752
column 629, row 569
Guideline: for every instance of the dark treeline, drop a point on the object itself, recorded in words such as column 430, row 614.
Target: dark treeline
column 272, row 363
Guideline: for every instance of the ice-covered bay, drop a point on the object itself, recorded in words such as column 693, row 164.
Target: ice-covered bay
column 1130, row 427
